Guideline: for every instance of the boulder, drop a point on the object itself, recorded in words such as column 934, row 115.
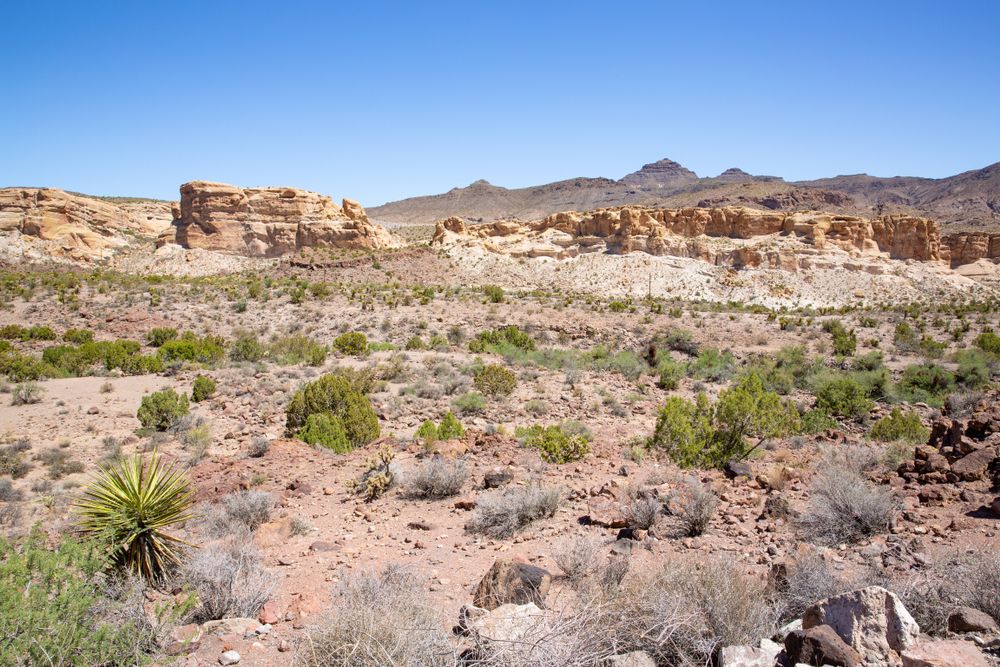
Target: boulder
column 944, row 653
column 820, row 645
column 973, row 466
column 747, row 656
column 633, row 659
column 967, row 619
column 871, row 620
column 506, row 623
column 607, row 512
column 512, row 582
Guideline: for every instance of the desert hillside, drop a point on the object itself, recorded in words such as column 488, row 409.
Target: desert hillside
column 967, row 200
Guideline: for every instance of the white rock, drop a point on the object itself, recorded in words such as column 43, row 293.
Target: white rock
column 871, row 620
column 229, row 658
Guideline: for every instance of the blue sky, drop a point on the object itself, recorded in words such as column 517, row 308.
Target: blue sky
column 379, row 101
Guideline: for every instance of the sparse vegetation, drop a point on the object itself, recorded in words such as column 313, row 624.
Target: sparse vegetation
column 162, row 409
column 503, row 513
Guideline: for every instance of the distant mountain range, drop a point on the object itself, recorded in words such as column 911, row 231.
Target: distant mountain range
column 970, row 199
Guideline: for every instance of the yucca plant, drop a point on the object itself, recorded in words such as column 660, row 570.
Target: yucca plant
column 128, row 508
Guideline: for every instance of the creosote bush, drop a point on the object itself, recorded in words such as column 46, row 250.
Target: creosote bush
column 503, row 513
column 554, row 444
column 353, row 343
column 162, row 409
column 495, row 381
column 203, row 388
column 900, row 426
column 340, row 397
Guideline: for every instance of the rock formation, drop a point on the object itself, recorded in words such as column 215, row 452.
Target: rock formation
column 75, row 226
column 268, row 222
column 687, row 232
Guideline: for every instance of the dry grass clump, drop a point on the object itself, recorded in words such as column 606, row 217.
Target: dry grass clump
column 953, row 580
column 241, row 512
column 694, row 506
column 578, row 557
column 437, row 478
column 503, row 513
column 376, row 620
column 228, row 579
column 845, row 507
column 642, row 510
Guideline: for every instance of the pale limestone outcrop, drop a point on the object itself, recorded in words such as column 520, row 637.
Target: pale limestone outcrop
column 689, row 232
column 78, row 227
column 269, row 222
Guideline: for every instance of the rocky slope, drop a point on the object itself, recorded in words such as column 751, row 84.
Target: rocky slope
column 968, row 199
column 682, row 233
column 59, row 224
column 268, row 222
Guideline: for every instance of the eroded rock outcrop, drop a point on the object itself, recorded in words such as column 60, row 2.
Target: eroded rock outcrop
column 688, row 232
column 75, row 226
column 968, row 247
column 269, row 222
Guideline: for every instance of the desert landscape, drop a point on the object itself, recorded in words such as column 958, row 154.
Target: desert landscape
column 626, row 436
column 449, row 335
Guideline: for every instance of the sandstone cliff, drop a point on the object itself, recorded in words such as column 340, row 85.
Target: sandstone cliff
column 75, row 226
column 688, row 232
column 268, row 222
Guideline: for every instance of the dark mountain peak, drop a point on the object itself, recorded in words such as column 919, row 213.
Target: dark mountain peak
column 734, row 175
column 660, row 174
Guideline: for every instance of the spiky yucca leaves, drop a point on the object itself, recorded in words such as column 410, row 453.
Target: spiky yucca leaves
column 129, row 506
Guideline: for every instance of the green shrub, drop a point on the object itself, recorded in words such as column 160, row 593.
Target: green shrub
column 844, row 342
column 712, row 365
column 494, row 294
column 415, row 343
column 927, row 382
column 354, row 343
column 843, row 396
column 747, row 410
column 427, row 432
column 246, row 348
column 931, row 348
column 203, row 388
column 668, row 371
column 297, row 349
column 450, row 428
column 341, row 397
column 470, row 402
column 900, row 426
column 53, row 612
column 327, row 430
column 679, row 340
column 554, row 444
column 208, row 350
column 684, row 429
column 119, row 354
column 494, row 339
column 22, row 367
column 78, row 336
column 159, row 336
column 973, row 368
column 162, row 409
column 494, row 380
column 905, row 338
column 988, row 342
column 816, row 421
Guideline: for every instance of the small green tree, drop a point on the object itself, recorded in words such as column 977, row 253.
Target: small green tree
column 555, row 445
column 748, row 410
column 450, row 427
column 684, row 429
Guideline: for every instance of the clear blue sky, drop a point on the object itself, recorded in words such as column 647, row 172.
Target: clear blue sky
column 379, row 101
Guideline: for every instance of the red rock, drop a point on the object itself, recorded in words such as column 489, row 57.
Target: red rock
column 944, row 653
column 270, row 613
